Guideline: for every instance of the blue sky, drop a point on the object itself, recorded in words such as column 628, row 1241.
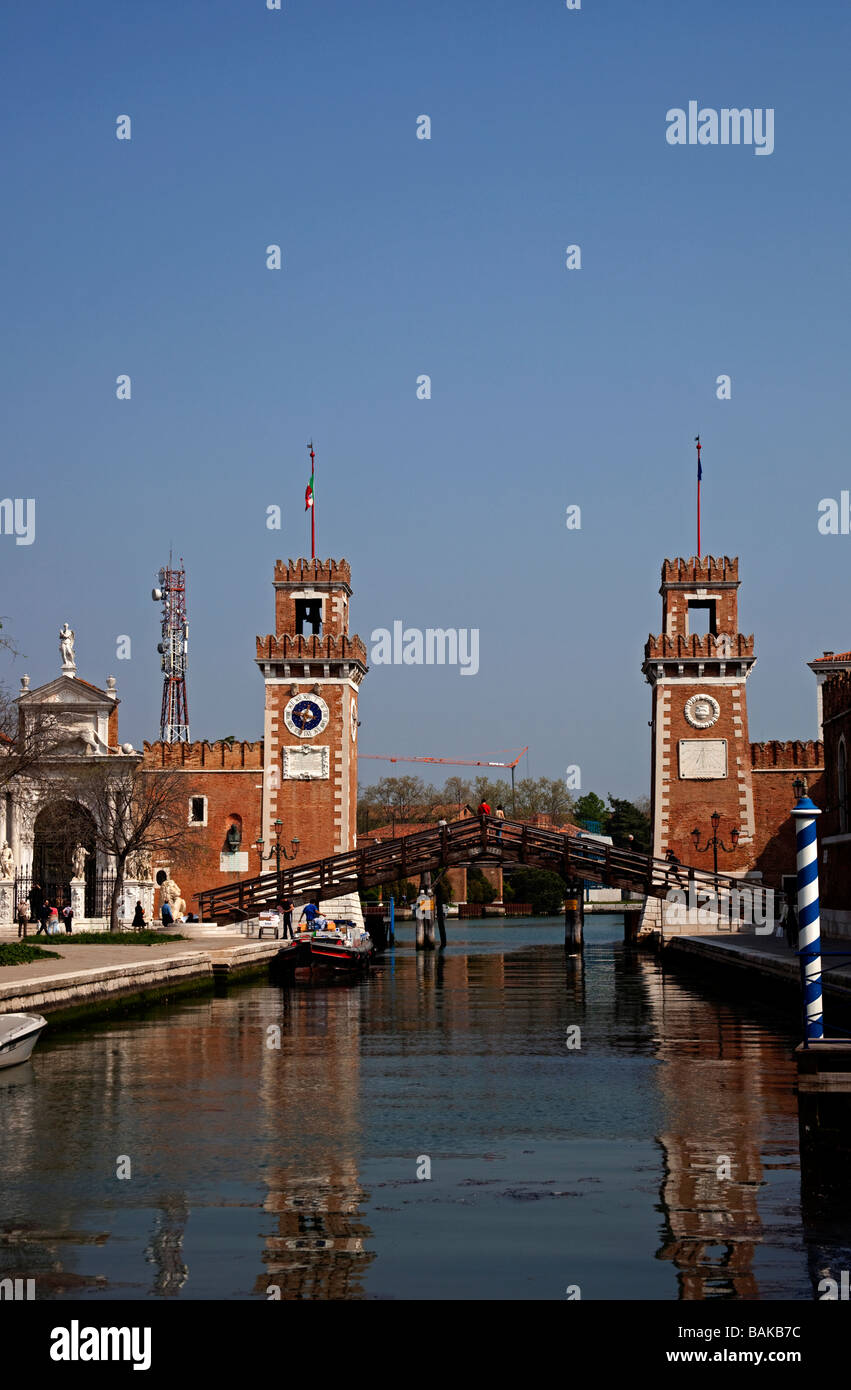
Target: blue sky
column 402, row 257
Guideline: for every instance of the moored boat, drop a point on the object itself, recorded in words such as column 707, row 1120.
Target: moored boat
column 19, row 1034
column 341, row 946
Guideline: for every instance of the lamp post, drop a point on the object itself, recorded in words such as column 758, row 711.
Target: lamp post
column 713, row 841
column 809, row 926
column 277, row 850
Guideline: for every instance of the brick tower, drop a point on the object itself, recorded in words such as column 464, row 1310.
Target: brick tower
column 698, row 668
column 312, row 669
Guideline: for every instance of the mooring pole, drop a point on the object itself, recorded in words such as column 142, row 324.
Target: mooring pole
column 809, row 926
column 392, row 922
column 441, row 918
column 574, row 917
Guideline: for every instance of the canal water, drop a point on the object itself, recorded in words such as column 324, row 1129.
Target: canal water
column 426, row 1133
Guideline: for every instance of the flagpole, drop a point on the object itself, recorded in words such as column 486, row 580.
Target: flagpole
column 313, row 504
column 700, row 474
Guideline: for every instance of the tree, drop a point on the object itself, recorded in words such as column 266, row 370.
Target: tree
column 557, row 801
column 627, row 820
column 591, row 807
column 540, row 887
column 457, row 793
column 135, row 810
column 400, row 798
column 479, row 889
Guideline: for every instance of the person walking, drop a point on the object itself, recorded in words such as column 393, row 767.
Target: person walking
column 23, row 914
column 53, row 921
column 138, row 917
column 68, row 918
column 500, row 815
column 36, row 898
column 167, row 914
column 43, row 916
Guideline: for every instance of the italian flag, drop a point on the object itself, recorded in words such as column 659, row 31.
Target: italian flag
column 308, row 494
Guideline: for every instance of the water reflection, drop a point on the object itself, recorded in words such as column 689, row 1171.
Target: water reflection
column 657, row 1161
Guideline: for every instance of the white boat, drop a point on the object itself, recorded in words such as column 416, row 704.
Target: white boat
column 19, row 1034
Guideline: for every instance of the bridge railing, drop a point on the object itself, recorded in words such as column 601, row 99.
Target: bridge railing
column 462, row 842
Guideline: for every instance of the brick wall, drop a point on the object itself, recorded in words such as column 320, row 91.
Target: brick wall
column 775, row 765
column 229, row 776
column 687, row 803
column 835, row 856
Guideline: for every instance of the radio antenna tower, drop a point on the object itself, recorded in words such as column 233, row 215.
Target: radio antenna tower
column 174, row 720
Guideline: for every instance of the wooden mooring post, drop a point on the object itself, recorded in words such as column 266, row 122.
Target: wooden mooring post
column 574, row 919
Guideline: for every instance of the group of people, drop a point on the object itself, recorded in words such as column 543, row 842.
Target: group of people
column 48, row 915
column 311, row 913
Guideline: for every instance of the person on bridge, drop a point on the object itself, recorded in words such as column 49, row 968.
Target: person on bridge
column 673, row 861
column 500, row 815
column 484, row 808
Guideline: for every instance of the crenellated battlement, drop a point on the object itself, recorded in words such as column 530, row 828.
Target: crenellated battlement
column 791, row 753
column 313, row 572
column 701, row 570
column 224, row 753
column 328, row 648
column 724, row 647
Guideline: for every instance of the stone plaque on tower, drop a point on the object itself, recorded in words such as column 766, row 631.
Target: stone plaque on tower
column 703, row 758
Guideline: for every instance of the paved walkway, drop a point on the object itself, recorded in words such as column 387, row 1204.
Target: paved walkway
column 768, row 954
column 77, row 958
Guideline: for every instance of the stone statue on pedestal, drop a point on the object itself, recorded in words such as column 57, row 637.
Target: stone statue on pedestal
column 7, row 862
column 78, row 860
column 66, row 647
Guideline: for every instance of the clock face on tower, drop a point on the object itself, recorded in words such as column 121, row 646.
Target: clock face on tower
column 306, row 715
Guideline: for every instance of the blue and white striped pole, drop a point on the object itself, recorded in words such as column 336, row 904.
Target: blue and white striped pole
column 809, row 927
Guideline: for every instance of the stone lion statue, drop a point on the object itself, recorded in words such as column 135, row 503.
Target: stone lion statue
column 171, row 895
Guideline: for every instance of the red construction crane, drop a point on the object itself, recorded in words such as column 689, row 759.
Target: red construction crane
column 456, row 762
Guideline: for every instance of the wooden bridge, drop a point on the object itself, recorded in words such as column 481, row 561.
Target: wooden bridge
column 462, row 842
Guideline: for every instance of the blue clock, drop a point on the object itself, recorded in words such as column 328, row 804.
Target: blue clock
column 306, row 715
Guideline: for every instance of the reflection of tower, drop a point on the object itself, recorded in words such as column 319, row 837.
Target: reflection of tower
column 722, row 1085
column 166, row 1246
column 174, row 720
column 311, row 1093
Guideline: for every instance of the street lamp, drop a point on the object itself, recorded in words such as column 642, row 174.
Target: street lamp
column 277, row 849
column 714, row 843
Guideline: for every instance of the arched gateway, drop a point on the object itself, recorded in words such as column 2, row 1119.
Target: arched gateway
column 61, row 829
